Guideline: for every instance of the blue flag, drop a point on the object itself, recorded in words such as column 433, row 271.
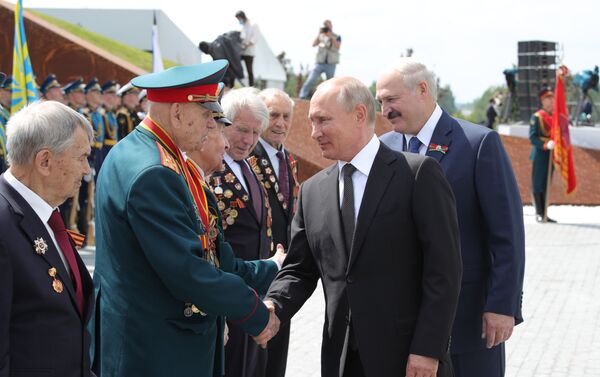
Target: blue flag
column 24, row 89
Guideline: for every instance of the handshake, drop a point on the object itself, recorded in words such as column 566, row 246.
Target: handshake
column 271, row 329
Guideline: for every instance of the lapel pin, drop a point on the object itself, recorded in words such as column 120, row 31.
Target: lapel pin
column 40, row 246
column 437, row 148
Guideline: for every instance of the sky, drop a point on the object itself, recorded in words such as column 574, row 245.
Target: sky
column 467, row 43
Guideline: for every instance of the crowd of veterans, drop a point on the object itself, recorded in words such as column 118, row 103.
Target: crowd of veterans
column 207, row 244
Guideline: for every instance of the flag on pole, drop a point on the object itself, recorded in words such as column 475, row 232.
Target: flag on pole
column 24, row 89
column 157, row 63
column 563, row 152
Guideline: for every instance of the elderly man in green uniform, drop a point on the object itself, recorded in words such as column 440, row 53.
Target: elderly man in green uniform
column 541, row 145
column 160, row 302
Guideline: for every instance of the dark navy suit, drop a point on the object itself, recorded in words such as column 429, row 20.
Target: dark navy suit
column 490, row 217
column 42, row 332
column 249, row 234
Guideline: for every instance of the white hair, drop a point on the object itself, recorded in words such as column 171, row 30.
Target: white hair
column 267, row 94
column 353, row 92
column 42, row 125
column 238, row 99
column 413, row 72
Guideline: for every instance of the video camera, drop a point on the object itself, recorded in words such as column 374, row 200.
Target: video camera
column 325, row 30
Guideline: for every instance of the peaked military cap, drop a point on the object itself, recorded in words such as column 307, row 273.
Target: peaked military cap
column 127, row 88
column 49, row 82
column 74, row 86
column 7, row 84
column 110, row 86
column 545, row 93
column 193, row 83
column 2, row 78
column 92, row 86
column 220, row 117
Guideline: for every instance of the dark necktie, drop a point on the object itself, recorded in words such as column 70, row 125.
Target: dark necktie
column 253, row 187
column 348, row 205
column 284, row 180
column 62, row 238
column 414, row 144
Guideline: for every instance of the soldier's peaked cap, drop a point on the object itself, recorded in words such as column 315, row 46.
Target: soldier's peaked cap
column 193, row 83
column 49, row 83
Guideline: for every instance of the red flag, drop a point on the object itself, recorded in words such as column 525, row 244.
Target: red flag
column 559, row 133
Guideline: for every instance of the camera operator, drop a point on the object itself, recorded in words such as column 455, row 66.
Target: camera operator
column 328, row 56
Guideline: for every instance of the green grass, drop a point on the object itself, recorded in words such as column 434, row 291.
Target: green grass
column 137, row 57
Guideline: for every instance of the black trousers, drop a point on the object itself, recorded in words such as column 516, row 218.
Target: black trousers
column 278, row 352
column 354, row 367
column 248, row 61
column 485, row 362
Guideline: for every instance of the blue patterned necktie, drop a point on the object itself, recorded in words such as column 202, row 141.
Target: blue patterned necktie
column 414, row 144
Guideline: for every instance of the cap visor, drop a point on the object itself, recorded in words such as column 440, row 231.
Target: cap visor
column 226, row 122
column 212, row 106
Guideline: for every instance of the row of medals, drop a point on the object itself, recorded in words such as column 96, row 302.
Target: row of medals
column 210, row 254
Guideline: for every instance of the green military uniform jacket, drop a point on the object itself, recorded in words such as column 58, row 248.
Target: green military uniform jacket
column 150, row 269
column 539, row 135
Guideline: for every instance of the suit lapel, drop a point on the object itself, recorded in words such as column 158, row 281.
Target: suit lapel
column 329, row 187
column 441, row 136
column 378, row 181
column 239, row 193
column 33, row 227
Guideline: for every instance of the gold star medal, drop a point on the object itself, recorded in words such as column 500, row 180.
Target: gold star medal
column 40, row 246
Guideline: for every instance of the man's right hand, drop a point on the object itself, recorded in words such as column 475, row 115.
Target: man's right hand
column 279, row 256
column 271, row 329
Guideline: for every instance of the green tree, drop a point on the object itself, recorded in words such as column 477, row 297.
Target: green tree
column 479, row 106
column 446, row 99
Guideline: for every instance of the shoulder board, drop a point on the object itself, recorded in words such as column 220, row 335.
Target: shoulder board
column 167, row 160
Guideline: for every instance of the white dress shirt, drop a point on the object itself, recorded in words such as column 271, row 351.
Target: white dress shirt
column 426, row 132
column 363, row 161
column 237, row 170
column 272, row 153
column 39, row 206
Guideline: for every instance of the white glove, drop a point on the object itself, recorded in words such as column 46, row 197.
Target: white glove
column 550, row 145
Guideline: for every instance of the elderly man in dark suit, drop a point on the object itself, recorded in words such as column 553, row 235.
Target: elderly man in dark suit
column 278, row 173
column 245, row 209
column 379, row 229
column 489, row 210
column 47, row 292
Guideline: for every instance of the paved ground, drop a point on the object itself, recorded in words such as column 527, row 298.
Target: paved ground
column 561, row 333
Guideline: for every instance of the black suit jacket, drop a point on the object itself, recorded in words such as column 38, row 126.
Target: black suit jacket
column 402, row 278
column 42, row 332
column 282, row 212
column 248, row 233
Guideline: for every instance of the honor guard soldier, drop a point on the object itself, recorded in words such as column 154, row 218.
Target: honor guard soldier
column 111, row 103
column 95, row 114
column 541, row 145
column 143, row 101
column 127, row 115
column 278, row 170
column 51, row 89
column 161, row 305
column 75, row 216
column 74, row 94
column 6, row 95
column 4, row 115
